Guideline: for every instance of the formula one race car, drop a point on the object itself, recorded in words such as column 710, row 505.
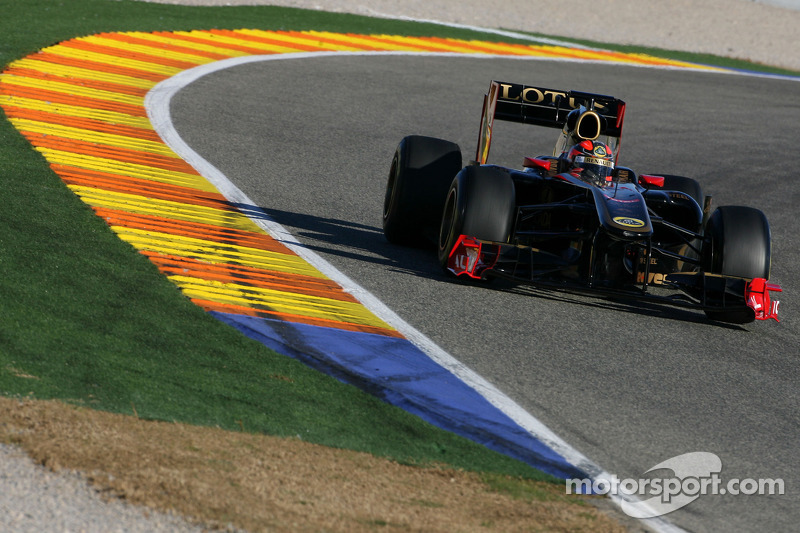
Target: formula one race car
column 575, row 220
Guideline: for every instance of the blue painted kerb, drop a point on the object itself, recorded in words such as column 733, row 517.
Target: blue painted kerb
column 403, row 375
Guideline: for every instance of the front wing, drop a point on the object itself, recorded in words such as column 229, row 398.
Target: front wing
column 746, row 299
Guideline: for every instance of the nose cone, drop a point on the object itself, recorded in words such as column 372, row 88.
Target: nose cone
column 629, row 228
column 623, row 212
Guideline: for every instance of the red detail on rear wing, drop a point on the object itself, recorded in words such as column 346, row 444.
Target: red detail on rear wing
column 543, row 107
column 620, row 116
column 758, row 298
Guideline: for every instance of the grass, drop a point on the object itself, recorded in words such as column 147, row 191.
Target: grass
column 526, row 490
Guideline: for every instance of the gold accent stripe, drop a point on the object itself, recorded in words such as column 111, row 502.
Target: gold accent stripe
column 128, row 47
column 113, row 117
column 97, row 57
column 144, row 205
column 65, row 71
column 215, row 252
column 73, row 90
column 379, row 42
column 282, row 302
column 234, row 38
column 107, row 139
column 302, row 40
column 201, row 41
column 113, row 166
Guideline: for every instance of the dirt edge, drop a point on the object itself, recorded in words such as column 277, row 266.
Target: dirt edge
column 257, row 482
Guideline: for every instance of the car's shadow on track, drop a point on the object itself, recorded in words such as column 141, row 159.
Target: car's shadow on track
column 367, row 244
column 635, row 307
column 352, row 240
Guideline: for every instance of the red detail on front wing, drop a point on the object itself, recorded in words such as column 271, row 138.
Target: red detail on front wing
column 471, row 257
column 758, row 298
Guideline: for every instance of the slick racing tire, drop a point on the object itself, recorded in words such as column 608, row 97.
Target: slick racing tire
column 685, row 185
column 419, row 177
column 480, row 203
column 683, row 212
column 737, row 243
column 693, row 190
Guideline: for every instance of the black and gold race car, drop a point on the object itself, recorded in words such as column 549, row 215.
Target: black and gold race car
column 575, row 220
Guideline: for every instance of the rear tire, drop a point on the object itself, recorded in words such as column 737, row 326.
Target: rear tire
column 480, row 203
column 738, row 243
column 421, row 172
column 684, row 215
column 685, row 185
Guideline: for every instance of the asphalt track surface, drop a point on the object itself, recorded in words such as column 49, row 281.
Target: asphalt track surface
column 628, row 385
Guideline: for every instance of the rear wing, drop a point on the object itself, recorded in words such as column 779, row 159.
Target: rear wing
column 527, row 104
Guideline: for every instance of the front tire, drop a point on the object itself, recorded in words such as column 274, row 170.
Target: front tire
column 421, row 172
column 480, row 203
column 737, row 243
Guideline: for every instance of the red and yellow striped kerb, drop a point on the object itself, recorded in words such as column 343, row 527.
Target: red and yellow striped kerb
column 81, row 104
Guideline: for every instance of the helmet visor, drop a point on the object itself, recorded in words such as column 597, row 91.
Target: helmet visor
column 593, row 167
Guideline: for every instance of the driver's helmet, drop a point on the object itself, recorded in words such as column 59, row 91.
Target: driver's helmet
column 591, row 160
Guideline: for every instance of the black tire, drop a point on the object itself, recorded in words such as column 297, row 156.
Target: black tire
column 685, row 185
column 480, row 203
column 737, row 243
column 420, row 175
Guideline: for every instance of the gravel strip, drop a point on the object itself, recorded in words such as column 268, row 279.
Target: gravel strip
column 764, row 31
column 35, row 499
